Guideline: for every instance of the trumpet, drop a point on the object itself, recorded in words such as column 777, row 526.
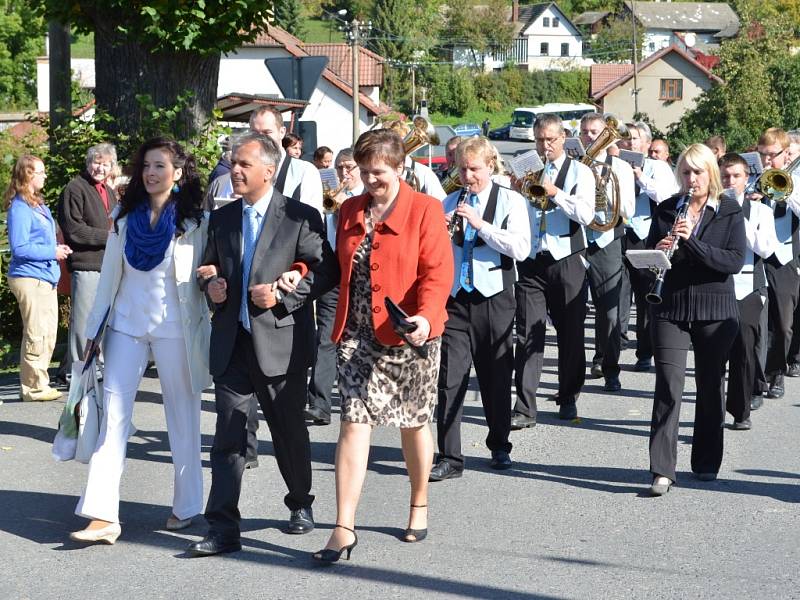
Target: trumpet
column 329, row 204
column 455, row 228
column 605, row 205
column 654, row 295
column 531, row 187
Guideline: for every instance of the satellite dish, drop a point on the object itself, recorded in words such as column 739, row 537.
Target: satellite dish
column 690, row 39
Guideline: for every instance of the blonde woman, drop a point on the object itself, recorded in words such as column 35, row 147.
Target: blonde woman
column 33, row 275
column 698, row 308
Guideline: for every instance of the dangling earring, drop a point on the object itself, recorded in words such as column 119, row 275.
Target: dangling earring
column 176, row 188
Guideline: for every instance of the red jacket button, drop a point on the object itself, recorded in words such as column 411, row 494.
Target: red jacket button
column 376, row 245
column 374, row 266
column 376, row 288
column 376, row 309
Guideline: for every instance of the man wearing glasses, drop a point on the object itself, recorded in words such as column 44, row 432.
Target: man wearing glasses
column 323, row 373
column 782, row 267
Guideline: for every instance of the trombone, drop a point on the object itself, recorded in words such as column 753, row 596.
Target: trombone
column 775, row 184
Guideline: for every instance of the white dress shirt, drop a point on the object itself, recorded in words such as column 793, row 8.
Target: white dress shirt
column 579, row 206
column 657, row 180
column 429, row 183
column 515, row 239
column 304, row 174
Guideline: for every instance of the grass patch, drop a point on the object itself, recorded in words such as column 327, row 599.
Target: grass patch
column 319, row 31
column 496, row 119
column 82, row 46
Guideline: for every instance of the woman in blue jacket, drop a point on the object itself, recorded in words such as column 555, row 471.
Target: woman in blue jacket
column 33, row 274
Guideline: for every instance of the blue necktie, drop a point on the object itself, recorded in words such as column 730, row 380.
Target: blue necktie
column 249, row 240
column 466, row 277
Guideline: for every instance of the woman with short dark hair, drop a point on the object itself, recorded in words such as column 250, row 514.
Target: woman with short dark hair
column 392, row 243
column 149, row 292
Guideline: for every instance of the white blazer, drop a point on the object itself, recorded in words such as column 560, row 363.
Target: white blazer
column 195, row 320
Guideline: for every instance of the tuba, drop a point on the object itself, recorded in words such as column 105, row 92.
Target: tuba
column 531, row 187
column 606, row 206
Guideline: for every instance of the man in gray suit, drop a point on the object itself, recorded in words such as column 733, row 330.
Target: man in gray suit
column 262, row 343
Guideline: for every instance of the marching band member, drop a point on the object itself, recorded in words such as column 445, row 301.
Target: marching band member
column 481, row 306
column 654, row 183
column 699, row 308
column 750, row 285
column 552, row 278
column 782, row 276
column 793, row 360
column 604, row 255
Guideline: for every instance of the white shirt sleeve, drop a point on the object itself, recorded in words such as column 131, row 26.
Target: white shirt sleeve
column 579, row 206
column 658, row 180
column 515, row 239
column 761, row 237
column 429, row 182
column 311, row 186
column 627, row 189
column 793, row 201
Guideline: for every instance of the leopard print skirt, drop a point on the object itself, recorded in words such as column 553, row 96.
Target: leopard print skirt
column 381, row 385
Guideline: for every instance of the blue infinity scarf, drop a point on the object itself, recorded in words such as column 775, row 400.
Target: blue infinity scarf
column 145, row 247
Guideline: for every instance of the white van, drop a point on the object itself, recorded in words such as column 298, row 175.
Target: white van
column 523, row 118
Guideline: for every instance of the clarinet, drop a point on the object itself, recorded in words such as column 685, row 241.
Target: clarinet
column 455, row 228
column 654, row 295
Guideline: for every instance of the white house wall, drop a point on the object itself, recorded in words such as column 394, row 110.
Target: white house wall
column 564, row 33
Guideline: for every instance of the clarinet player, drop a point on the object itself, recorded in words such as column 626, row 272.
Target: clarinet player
column 699, row 307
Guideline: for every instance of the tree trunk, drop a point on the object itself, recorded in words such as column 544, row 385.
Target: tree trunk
column 125, row 70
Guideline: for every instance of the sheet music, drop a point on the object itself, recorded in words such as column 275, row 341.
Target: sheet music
column 574, row 148
column 525, row 163
column 329, row 179
column 634, row 159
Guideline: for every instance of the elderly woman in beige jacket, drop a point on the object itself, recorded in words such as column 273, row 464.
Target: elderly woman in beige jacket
column 149, row 291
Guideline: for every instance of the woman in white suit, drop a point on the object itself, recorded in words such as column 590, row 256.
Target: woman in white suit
column 149, row 290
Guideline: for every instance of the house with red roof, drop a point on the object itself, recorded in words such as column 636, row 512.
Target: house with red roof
column 667, row 82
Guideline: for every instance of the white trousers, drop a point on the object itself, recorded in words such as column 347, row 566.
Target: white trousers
column 125, row 363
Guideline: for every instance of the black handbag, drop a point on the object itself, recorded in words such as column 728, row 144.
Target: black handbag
column 402, row 326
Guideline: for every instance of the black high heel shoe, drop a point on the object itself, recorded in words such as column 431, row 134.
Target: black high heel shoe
column 328, row 555
column 416, row 535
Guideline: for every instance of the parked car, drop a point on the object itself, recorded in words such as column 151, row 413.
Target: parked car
column 467, row 129
column 500, row 133
column 438, row 161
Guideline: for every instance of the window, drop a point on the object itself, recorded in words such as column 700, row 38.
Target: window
column 544, row 49
column 546, row 22
column 555, row 21
column 564, row 49
column 671, row 89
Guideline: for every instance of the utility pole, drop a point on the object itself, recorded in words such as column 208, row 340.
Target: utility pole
column 413, row 88
column 635, row 61
column 354, row 28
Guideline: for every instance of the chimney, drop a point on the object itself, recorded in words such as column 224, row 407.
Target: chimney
column 514, row 11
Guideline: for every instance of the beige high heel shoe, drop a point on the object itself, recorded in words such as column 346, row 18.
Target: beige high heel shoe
column 106, row 535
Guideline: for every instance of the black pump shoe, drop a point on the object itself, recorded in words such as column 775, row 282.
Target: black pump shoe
column 329, row 556
column 415, row 535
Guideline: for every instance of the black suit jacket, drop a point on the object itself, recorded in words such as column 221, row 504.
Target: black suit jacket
column 283, row 336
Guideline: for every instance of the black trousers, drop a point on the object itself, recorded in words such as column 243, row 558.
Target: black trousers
column 638, row 281
column 794, row 345
column 744, row 368
column 761, row 385
column 558, row 287
column 605, row 282
column 281, row 400
column 783, row 283
column 712, row 341
column 478, row 330
column 323, row 373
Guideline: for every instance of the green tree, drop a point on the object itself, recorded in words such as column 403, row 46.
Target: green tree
column 21, row 41
column 160, row 48
column 614, row 41
column 289, row 16
column 752, row 61
column 478, row 25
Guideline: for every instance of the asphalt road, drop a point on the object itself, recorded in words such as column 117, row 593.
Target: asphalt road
column 571, row 520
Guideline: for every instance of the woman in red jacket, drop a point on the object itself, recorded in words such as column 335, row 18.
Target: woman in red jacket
column 391, row 242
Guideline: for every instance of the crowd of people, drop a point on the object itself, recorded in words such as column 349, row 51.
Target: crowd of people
column 396, row 289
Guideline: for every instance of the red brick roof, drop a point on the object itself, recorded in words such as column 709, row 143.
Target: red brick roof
column 603, row 74
column 277, row 37
column 340, row 61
